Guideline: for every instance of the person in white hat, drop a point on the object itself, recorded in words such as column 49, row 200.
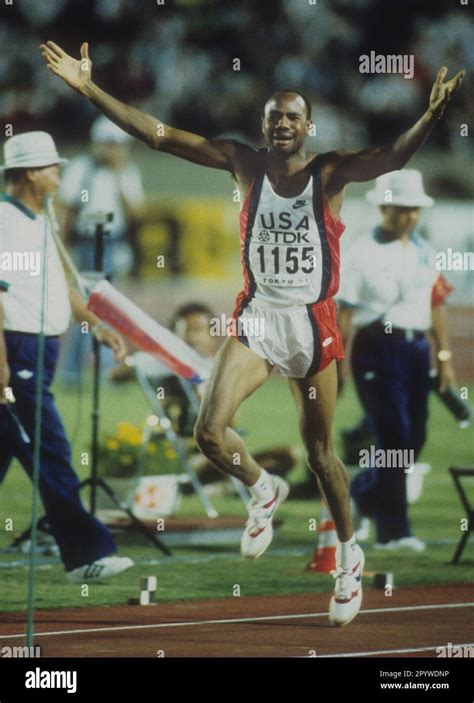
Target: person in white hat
column 105, row 180
column 393, row 294
column 32, row 174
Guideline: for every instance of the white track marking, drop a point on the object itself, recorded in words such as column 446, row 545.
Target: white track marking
column 391, row 651
column 232, row 621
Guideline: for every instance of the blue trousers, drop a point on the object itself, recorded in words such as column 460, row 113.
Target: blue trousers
column 81, row 537
column 391, row 374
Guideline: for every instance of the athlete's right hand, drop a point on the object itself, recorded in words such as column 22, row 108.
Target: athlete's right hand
column 76, row 73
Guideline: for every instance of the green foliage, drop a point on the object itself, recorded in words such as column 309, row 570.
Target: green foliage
column 270, row 420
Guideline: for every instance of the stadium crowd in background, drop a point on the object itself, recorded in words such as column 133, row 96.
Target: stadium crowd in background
column 189, row 57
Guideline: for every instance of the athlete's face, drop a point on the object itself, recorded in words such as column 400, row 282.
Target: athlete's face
column 285, row 124
column 399, row 220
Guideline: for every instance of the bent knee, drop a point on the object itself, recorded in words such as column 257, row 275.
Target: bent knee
column 208, row 436
column 320, row 456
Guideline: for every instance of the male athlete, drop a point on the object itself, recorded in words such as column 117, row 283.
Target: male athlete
column 290, row 228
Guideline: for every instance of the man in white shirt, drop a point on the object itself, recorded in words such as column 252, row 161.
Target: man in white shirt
column 28, row 255
column 393, row 295
column 105, row 180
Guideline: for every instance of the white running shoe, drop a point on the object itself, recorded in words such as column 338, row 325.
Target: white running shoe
column 347, row 598
column 258, row 531
column 99, row 570
column 412, row 544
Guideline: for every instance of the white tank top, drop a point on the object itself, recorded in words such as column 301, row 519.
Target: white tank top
column 289, row 246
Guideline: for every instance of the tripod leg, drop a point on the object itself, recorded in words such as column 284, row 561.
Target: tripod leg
column 240, row 490
column 460, row 548
column 42, row 521
column 136, row 521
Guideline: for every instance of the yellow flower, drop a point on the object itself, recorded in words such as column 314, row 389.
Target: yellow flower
column 151, row 449
column 126, row 430
column 112, row 443
column 171, row 454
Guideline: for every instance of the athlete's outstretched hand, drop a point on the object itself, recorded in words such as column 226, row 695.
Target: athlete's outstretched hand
column 441, row 93
column 75, row 72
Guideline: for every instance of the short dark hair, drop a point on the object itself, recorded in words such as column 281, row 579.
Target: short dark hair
column 14, row 175
column 296, row 92
column 188, row 309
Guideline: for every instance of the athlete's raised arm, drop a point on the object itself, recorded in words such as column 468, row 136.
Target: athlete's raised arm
column 77, row 73
column 370, row 163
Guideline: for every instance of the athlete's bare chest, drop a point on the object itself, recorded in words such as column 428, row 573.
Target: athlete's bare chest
column 289, row 186
column 283, row 184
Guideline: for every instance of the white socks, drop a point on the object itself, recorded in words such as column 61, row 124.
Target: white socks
column 347, row 553
column 263, row 489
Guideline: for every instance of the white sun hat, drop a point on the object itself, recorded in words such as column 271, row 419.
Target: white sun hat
column 30, row 150
column 403, row 188
column 104, row 131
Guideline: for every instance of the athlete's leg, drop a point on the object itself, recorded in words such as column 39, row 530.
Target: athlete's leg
column 315, row 399
column 237, row 372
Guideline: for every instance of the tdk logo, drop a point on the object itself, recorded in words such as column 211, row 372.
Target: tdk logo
column 284, row 237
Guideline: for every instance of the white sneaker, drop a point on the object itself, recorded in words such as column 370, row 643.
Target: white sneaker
column 347, row 598
column 414, row 482
column 412, row 544
column 101, row 569
column 258, row 531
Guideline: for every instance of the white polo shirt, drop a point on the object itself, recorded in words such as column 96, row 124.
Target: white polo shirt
column 22, row 235
column 389, row 280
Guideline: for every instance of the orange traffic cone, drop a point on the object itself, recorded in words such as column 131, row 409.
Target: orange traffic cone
column 324, row 557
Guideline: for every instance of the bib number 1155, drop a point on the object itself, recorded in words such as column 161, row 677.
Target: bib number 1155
column 288, row 260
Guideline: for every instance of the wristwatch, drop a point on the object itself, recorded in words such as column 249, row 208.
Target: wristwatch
column 444, row 355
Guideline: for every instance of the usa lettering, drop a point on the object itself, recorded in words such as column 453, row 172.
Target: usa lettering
column 285, row 221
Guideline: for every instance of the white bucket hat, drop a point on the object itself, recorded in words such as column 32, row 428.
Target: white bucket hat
column 30, row 150
column 403, row 188
column 104, row 131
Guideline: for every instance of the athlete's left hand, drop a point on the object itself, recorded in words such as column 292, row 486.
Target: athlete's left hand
column 111, row 339
column 447, row 376
column 441, row 93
